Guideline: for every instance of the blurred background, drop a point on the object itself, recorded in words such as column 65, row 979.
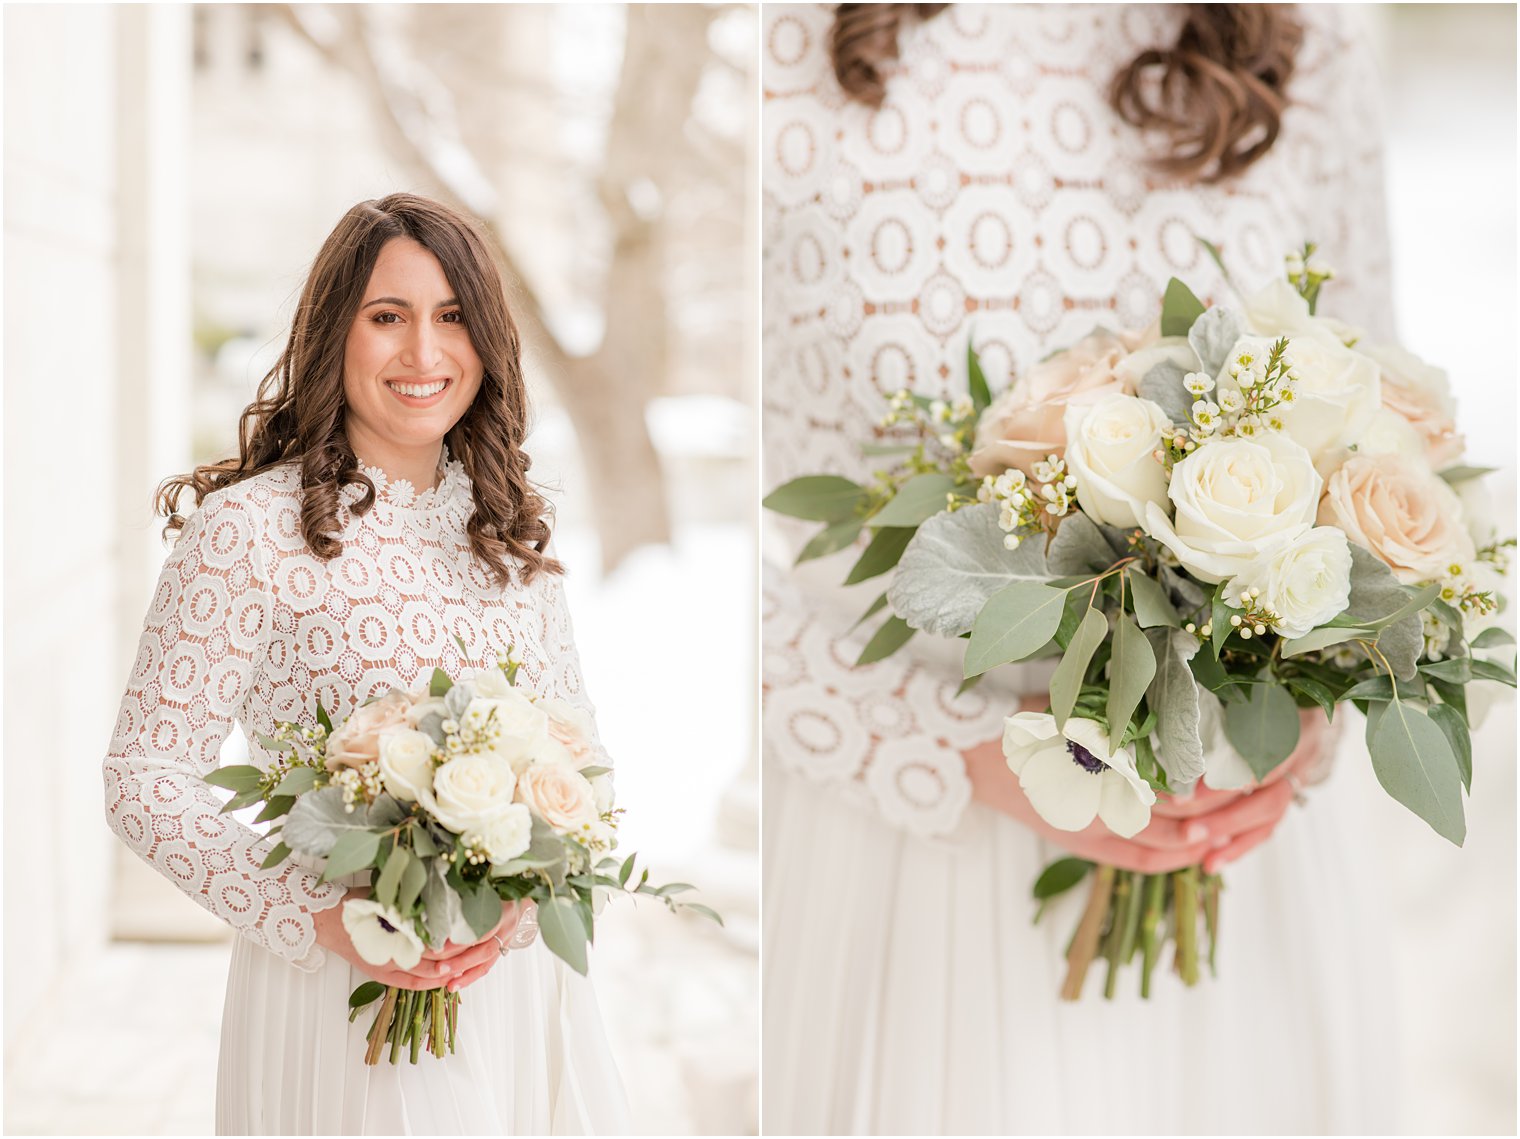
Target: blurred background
column 170, row 172
column 1449, row 100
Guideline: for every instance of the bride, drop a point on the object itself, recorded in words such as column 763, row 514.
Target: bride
column 379, row 508
column 1013, row 176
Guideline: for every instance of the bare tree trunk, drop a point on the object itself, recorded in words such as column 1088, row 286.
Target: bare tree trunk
column 604, row 394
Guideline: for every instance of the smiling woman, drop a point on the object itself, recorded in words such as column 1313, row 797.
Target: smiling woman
column 376, row 525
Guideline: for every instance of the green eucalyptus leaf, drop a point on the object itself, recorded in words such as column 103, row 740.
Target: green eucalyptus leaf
column 1458, row 474
column 1264, row 729
column 563, row 931
column 916, row 501
column 276, row 856
column 876, row 607
column 884, row 551
column 976, row 379
column 367, row 993
column 481, row 906
column 1066, row 682
column 413, row 877
column 238, row 777
column 831, row 539
column 1130, row 672
column 297, row 781
column 1151, row 605
column 893, row 635
column 440, row 683
column 390, row 876
column 1492, row 637
column 1179, row 309
column 1493, row 670
column 1315, row 691
column 1316, row 639
column 817, row 498
column 1454, row 727
column 355, row 850
column 275, row 807
column 1414, row 762
column 1017, row 622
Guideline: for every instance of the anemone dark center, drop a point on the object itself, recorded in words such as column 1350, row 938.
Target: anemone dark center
column 1084, row 759
column 385, row 925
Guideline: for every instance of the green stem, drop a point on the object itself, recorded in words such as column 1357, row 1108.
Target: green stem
column 1132, row 919
column 398, row 1026
column 1211, row 887
column 1186, row 883
column 1150, row 923
column 1113, row 944
column 420, row 1006
column 1084, row 946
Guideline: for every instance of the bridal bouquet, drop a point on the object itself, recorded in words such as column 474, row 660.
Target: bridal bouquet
column 454, row 798
column 1240, row 513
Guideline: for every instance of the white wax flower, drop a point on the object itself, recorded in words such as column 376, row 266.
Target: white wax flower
column 1070, row 776
column 380, row 935
column 1236, row 500
column 406, row 764
column 1306, row 582
column 1110, row 450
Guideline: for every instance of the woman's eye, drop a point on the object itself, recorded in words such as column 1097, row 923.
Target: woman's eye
column 453, row 317
column 387, row 318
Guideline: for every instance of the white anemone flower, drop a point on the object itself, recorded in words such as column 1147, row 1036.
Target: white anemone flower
column 380, row 935
column 1070, row 775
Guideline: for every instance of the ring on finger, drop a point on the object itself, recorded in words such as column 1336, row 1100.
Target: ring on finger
column 1298, row 789
column 501, row 943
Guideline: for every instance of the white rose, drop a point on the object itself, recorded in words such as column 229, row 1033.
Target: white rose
column 1478, row 510
column 406, row 763
column 1110, row 450
column 601, row 786
column 1335, row 397
column 561, row 797
column 508, row 835
column 522, row 728
column 1175, row 350
column 490, row 683
column 1390, row 433
column 1306, row 582
column 1236, row 500
column 470, row 792
column 1280, row 310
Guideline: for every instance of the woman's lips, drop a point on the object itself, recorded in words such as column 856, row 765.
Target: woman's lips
column 419, row 393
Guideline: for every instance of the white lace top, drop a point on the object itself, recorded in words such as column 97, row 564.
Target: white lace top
column 994, row 197
column 247, row 624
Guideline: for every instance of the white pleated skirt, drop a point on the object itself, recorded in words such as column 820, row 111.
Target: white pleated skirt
column 531, row 1057
column 907, row 992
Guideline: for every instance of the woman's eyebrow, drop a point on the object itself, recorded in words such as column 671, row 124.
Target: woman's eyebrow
column 397, row 301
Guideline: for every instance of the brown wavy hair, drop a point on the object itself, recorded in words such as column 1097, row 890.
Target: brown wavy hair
column 1218, row 93
column 298, row 415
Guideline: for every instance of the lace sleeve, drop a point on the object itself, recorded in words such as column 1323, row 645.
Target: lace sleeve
column 202, row 645
column 561, row 676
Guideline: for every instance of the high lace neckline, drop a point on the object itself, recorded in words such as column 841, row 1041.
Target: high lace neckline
column 400, row 493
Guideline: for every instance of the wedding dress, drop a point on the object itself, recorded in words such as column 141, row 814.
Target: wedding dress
column 997, row 198
column 246, row 624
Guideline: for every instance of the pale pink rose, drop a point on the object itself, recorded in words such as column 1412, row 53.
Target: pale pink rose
column 1395, row 507
column 570, row 727
column 1421, row 395
column 357, row 740
column 561, row 797
column 1026, row 423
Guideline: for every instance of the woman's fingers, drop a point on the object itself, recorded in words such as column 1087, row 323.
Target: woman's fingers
column 1238, row 846
column 470, row 976
column 1265, row 805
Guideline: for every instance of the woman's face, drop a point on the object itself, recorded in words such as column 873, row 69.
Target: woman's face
column 409, row 369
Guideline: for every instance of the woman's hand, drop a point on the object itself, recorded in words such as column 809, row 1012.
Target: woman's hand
column 451, row 966
column 1211, row 827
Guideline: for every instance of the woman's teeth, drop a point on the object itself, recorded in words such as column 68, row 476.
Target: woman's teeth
column 418, row 391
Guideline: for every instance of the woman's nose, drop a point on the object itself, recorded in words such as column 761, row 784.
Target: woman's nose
column 422, row 349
